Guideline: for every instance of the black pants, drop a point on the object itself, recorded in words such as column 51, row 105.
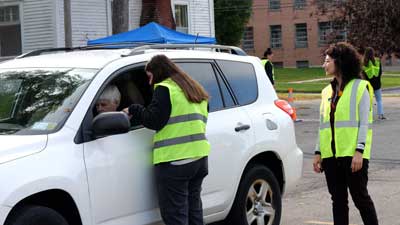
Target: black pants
column 179, row 188
column 339, row 177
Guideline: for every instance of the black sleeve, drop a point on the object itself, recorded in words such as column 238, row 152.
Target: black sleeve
column 268, row 70
column 380, row 70
column 156, row 115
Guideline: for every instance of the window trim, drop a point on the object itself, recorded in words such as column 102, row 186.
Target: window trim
column 299, row 5
column 189, row 15
column 296, row 41
column 270, row 36
column 274, row 9
column 21, row 21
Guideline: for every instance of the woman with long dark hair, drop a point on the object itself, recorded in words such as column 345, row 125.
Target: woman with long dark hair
column 372, row 70
column 178, row 112
column 344, row 147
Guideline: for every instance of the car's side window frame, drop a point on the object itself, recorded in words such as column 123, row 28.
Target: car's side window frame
column 224, row 75
column 84, row 133
column 217, row 77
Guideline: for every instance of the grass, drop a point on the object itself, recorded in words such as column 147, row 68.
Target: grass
column 285, row 75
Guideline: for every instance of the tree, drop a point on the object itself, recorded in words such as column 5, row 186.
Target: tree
column 120, row 16
column 374, row 23
column 231, row 16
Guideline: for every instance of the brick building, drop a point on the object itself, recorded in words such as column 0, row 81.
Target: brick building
column 296, row 35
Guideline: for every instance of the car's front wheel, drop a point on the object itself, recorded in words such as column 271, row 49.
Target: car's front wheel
column 258, row 200
column 36, row 215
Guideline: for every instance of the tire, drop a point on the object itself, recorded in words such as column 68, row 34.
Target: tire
column 36, row 215
column 259, row 197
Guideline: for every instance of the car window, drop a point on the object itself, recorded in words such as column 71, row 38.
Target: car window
column 242, row 78
column 204, row 73
column 37, row 101
column 227, row 97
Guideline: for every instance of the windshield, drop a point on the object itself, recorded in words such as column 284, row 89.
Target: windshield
column 37, row 101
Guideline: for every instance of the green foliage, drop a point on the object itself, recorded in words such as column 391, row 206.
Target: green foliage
column 369, row 22
column 231, row 16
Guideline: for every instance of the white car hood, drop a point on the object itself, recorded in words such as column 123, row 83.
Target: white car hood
column 16, row 146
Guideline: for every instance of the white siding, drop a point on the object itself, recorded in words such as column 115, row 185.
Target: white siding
column 38, row 26
column 89, row 20
column 60, row 36
column 201, row 16
column 135, row 10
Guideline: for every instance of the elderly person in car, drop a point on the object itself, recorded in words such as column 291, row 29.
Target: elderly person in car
column 109, row 100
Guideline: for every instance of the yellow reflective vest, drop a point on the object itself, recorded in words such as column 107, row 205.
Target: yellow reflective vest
column 347, row 120
column 372, row 70
column 184, row 135
column 263, row 62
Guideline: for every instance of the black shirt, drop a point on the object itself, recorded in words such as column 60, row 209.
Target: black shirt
column 156, row 115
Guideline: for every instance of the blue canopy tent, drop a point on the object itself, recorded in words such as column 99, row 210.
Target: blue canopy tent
column 153, row 33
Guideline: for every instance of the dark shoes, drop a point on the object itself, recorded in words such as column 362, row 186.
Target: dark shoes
column 381, row 117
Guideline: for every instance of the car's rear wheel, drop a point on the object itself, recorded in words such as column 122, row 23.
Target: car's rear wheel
column 36, row 215
column 258, row 200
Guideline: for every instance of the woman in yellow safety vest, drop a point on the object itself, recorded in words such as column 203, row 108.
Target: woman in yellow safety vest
column 178, row 112
column 344, row 146
column 372, row 70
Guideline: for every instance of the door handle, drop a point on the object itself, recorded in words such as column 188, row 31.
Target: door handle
column 242, row 127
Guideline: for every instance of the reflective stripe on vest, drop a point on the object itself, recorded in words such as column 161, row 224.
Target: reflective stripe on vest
column 184, row 134
column 264, row 61
column 346, row 120
column 372, row 70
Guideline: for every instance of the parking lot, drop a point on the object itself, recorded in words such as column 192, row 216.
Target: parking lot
column 309, row 202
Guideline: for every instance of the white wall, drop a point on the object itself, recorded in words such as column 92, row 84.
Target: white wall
column 38, row 24
column 89, row 20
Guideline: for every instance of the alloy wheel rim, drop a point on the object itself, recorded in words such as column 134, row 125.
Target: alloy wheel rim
column 259, row 205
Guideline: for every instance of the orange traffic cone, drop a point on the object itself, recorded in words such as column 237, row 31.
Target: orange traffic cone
column 290, row 95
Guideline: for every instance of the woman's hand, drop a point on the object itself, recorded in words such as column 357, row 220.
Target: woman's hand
column 317, row 163
column 356, row 163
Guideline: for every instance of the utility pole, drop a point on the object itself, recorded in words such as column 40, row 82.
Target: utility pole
column 67, row 23
column 120, row 16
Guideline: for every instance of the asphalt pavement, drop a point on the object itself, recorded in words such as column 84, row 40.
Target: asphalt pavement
column 309, row 202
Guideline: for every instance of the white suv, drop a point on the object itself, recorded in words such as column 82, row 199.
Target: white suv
column 59, row 165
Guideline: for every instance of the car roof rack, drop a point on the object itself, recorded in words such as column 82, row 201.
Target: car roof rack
column 137, row 48
column 218, row 48
column 46, row 50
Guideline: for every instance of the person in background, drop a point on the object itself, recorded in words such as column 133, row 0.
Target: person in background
column 109, row 100
column 344, row 146
column 266, row 61
column 178, row 112
column 372, row 69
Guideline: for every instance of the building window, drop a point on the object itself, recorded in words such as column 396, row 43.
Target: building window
column 302, row 64
column 329, row 32
column 182, row 18
column 248, row 39
column 278, row 64
column 276, row 36
column 301, row 35
column 9, row 15
column 10, row 31
column 299, row 4
column 274, row 5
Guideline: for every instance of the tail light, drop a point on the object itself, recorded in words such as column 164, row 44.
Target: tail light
column 287, row 108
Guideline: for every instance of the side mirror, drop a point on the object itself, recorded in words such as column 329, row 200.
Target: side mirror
column 110, row 123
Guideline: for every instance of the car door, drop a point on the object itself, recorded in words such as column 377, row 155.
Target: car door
column 120, row 176
column 229, row 131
